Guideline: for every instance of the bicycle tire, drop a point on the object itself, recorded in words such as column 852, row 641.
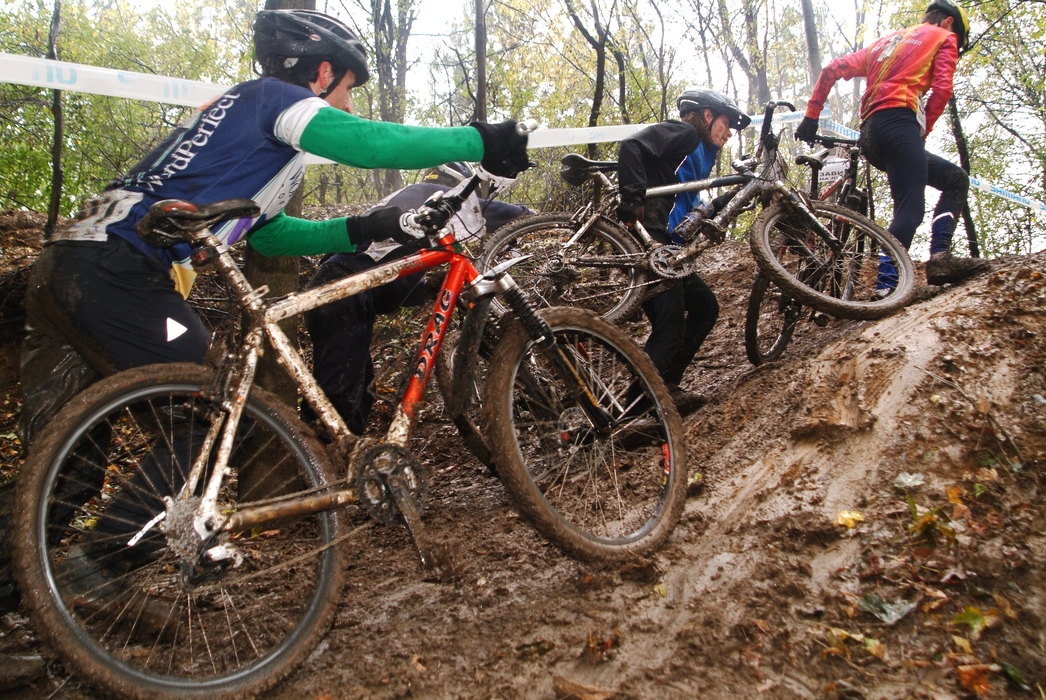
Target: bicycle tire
column 770, row 321
column 613, row 292
column 844, row 286
column 131, row 619
column 599, row 497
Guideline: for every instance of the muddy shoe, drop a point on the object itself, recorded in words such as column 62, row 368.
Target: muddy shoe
column 686, row 403
column 17, row 670
column 943, row 268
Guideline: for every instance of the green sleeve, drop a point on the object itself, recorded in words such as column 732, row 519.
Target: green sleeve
column 288, row 236
column 361, row 143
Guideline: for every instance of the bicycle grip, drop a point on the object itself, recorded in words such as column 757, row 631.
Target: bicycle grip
column 527, row 126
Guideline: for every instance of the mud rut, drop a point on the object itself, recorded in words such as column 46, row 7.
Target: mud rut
column 759, row 593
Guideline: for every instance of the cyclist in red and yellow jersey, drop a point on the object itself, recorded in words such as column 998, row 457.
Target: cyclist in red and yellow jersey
column 909, row 74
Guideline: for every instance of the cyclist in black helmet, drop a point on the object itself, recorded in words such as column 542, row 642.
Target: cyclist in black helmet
column 101, row 299
column 665, row 153
column 909, row 82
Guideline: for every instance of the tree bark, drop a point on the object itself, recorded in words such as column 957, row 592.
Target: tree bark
column 963, row 147
column 813, row 51
column 57, row 171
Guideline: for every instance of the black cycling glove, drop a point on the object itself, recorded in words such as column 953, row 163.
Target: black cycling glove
column 504, row 149
column 630, row 209
column 806, row 130
column 378, row 225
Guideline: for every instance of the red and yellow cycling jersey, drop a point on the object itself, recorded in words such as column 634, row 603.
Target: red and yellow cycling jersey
column 901, row 68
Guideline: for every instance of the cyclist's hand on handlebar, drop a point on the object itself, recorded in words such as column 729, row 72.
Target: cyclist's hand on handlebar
column 630, row 210
column 504, row 148
column 807, row 130
column 379, row 224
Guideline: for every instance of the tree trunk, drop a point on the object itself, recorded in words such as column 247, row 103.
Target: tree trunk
column 813, row 51
column 57, row 172
column 964, row 160
column 481, row 61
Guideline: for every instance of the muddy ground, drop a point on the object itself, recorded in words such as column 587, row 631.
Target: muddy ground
column 865, row 520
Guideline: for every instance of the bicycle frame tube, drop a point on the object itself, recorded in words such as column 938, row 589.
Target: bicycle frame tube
column 698, row 185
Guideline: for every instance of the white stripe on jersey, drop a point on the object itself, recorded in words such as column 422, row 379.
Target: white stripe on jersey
column 293, row 120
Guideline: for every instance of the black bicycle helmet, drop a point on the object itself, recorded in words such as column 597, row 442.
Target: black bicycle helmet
column 304, row 33
column 961, row 26
column 696, row 100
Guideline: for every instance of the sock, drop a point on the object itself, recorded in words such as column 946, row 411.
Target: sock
column 941, row 229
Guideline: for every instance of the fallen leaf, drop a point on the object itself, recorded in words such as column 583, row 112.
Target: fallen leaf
column 848, row 518
column 761, row 624
column 890, row 613
column 1004, row 606
column 905, row 480
column 875, row 648
column 974, row 619
column 766, row 686
column 415, row 661
column 962, row 644
column 975, row 678
column 569, row 690
column 661, row 590
column 954, row 494
column 1014, row 676
column 836, row 644
column 531, row 649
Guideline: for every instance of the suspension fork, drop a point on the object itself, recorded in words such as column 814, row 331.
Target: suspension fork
column 541, row 333
column 799, row 206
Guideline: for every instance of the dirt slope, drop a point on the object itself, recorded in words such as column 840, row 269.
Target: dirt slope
column 937, row 591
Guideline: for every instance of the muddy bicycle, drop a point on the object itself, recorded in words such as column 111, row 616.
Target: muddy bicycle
column 821, row 253
column 182, row 532
column 773, row 314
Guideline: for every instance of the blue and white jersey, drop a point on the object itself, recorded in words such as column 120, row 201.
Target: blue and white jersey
column 244, row 144
column 696, row 166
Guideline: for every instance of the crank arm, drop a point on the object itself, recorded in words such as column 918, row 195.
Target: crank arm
column 433, row 556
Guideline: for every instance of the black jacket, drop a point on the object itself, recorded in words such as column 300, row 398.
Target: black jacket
column 650, row 158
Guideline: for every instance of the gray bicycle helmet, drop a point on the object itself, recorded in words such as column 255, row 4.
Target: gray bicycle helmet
column 696, row 100
column 449, row 174
column 303, row 33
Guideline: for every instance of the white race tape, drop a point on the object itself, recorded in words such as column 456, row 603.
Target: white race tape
column 58, row 75
column 76, row 77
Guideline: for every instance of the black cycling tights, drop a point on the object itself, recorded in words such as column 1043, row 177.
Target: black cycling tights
column 891, row 141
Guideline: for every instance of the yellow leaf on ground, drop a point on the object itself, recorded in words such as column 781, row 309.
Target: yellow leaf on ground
column 848, row 518
column 962, row 644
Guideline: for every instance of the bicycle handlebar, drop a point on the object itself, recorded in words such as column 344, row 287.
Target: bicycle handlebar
column 834, row 141
column 436, row 212
column 766, row 136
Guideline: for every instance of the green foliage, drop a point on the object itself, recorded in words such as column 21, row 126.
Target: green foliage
column 105, row 136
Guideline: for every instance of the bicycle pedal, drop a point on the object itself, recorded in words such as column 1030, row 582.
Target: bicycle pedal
column 821, row 320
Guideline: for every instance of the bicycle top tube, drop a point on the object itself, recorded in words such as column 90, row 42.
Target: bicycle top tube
column 699, row 185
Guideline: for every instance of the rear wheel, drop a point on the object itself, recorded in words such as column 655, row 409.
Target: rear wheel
column 602, row 494
column 601, row 270
column 130, row 599
column 841, row 282
column 770, row 321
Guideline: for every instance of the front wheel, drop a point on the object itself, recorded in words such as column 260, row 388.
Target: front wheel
column 115, row 576
column 868, row 276
column 602, row 269
column 601, row 493
column 770, row 321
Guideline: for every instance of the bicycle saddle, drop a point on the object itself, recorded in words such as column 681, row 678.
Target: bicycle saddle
column 171, row 221
column 577, row 169
column 577, row 161
column 814, row 160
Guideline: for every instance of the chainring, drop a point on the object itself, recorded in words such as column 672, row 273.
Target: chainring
column 662, row 265
column 375, row 466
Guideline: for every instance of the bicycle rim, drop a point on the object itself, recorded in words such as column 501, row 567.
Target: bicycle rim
column 770, row 321
column 601, row 495
column 117, row 599
column 842, row 283
column 613, row 291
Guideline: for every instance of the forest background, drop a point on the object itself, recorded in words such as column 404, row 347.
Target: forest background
column 565, row 63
